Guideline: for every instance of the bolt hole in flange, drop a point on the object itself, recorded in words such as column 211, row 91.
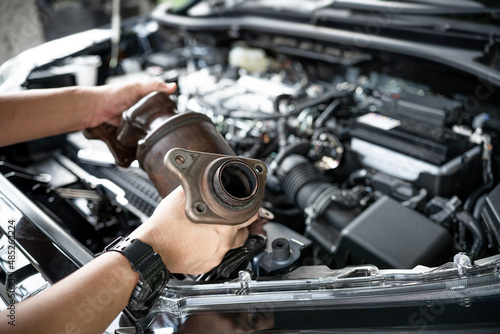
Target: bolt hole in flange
column 199, row 207
column 179, row 159
column 237, row 181
column 259, row 169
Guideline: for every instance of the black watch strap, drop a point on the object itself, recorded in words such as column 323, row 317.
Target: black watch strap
column 152, row 272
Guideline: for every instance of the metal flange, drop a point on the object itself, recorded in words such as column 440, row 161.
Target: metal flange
column 220, row 189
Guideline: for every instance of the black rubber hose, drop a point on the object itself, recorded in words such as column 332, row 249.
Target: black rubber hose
column 271, row 147
column 476, row 194
column 299, row 148
column 327, row 113
column 328, row 95
column 299, row 107
column 305, row 185
column 470, row 202
column 359, row 176
column 479, row 207
column 478, row 237
column 297, row 173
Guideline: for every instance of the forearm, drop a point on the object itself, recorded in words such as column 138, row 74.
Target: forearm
column 40, row 113
column 84, row 302
column 89, row 299
column 44, row 112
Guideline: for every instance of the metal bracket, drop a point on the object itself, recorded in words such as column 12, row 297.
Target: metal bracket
column 220, row 189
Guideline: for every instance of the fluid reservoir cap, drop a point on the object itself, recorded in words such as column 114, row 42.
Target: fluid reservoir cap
column 249, row 59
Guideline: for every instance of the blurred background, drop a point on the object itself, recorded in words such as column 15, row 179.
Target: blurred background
column 28, row 23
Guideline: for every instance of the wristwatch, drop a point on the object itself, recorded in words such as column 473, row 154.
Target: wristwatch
column 153, row 275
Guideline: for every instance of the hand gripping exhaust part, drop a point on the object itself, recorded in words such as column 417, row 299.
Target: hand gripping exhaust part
column 220, row 187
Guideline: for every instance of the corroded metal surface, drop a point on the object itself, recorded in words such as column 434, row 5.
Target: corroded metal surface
column 190, row 131
column 219, row 187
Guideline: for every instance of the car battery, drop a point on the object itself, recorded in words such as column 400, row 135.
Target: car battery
column 434, row 158
column 428, row 109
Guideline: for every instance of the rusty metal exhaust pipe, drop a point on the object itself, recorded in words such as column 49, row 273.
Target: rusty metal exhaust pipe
column 229, row 189
column 219, row 188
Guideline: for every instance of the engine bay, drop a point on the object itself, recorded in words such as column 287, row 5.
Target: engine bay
column 372, row 159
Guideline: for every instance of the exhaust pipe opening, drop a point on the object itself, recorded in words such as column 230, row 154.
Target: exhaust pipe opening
column 235, row 182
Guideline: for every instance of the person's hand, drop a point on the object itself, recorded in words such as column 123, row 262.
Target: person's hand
column 110, row 101
column 184, row 246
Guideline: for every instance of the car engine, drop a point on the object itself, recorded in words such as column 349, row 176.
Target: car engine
column 372, row 159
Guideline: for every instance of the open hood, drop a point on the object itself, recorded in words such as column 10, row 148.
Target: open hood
column 378, row 123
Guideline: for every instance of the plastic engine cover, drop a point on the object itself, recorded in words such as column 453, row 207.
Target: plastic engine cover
column 389, row 235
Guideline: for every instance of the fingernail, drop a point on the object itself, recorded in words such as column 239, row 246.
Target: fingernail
column 171, row 84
